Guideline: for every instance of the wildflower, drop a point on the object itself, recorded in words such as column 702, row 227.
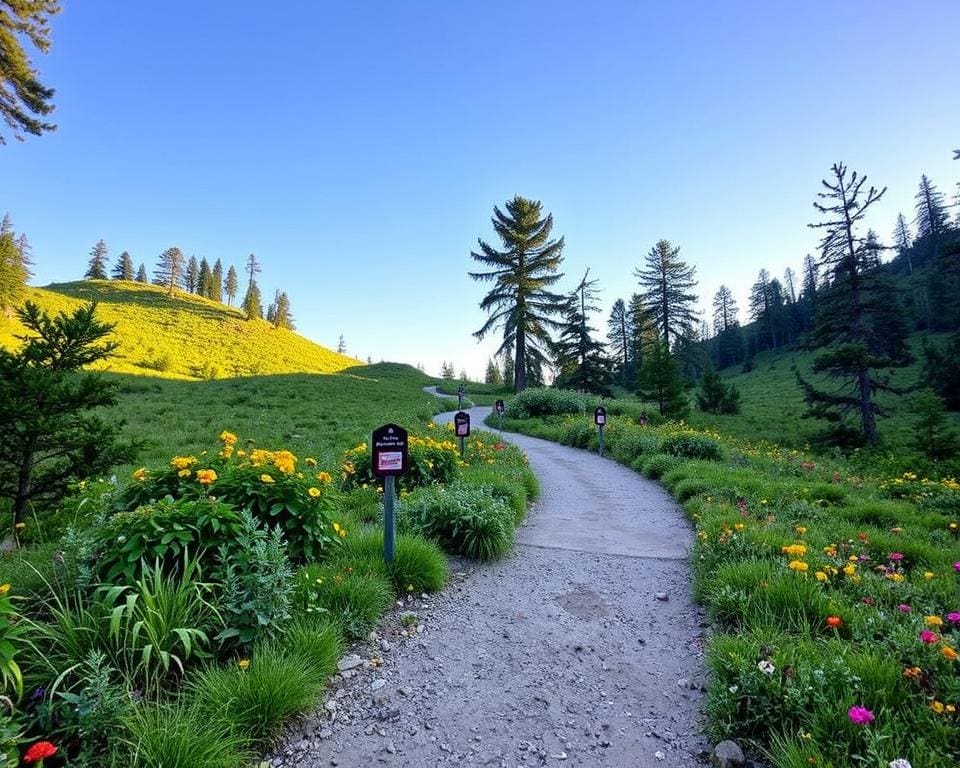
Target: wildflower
column 830, row 551
column 140, row 475
column 868, row 600
column 896, row 557
column 206, row 476
column 243, row 664
column 954, row 617
column 956, row 567
column 182, row 462
column 895, row 577
column 933, row 621
column 228, row 438
column 834, row 622
column 794, row 550
column 324, row 477
column 849, row 569
column 4, row 588
column 313, row 492
column 937, row 706
column 929, row 638
column 798, row 565
column 39, row 752
column 948, row 653
column 184, row 473
column 912, row 673
column 928, row 575
column 409, row 587
column 766, row 667
column 900, row 763
column 20, row 526
column 821, row 576
column 800, row 529
column 860, row 715
column 310, row 461
column 904, row 608
column 227, row 452
column 265, row 478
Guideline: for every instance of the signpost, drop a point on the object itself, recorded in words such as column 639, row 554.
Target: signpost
column 390, row 458
column 499, row 407
column 460, row 393
column 600, row 419
column 461, row 428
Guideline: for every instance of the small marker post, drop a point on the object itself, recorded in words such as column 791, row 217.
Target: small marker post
column 600, row 419
column 461, row 428
column 390, row 458
column 389, row 525
column 500, row 408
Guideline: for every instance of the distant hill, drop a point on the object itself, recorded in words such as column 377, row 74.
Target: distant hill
column 183, row 336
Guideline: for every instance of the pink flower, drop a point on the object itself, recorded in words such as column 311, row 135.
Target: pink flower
column 929, row 638
column 954, row 616
column 896, row 557
column 860, row 716
column 904, row 608
column 956, row 567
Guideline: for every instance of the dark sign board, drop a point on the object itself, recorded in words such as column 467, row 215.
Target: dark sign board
column 600, row 416
column 390, row 457
column 499, row 406
column 461, row 424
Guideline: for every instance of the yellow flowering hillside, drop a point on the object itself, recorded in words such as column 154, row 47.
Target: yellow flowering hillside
column 184, row 336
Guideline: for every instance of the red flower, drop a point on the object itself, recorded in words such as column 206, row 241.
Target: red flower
column 39, row 751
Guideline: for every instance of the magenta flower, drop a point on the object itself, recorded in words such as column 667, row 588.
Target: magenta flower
column 896, row 557
column 956, row 567
column 860, row 716
column 904, row 608
column 929, row 638
column 954, row 616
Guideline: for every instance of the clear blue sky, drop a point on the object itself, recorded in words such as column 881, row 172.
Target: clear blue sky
column 358, row 148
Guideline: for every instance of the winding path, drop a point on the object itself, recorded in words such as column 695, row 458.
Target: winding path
column 561, row 654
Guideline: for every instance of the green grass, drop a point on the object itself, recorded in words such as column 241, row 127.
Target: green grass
column 418, row 564
column 353, row 597
column 476, row 392
column 315, row 638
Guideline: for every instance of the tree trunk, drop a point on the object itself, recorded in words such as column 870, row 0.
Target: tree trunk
column 520, row 363
column 868, row 418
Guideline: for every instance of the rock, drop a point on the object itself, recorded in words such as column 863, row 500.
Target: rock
column 559, row 756
column 326, row 733
column 390, row 747
column 349, row 662
column 659, row 755
column 385, row 646
column 727, row 754
column 377, row 684
column 331, row 705
column 662, row 596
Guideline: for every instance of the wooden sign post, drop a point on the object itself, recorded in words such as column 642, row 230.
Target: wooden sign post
column 600, row 419
column 390, row 458
column 461, row 428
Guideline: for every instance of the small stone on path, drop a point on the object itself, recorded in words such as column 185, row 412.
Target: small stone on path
column 727, row 754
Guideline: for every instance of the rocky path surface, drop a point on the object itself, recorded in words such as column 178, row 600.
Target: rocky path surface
column 581, row 648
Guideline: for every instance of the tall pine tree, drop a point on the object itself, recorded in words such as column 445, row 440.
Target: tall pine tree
column 169, row 269
column 216, row 282
column 902, row 242
column 191, row 275
column 231, row 285
column 521, row 302
column 253, row 302
column 14, row 268
column 618, row 339
column 728, row 338
column 578, row 356
column 668, row 283
column 123, row 269
column 204, row 278
column 660, row 382
column 142, row 273
column 97, row 266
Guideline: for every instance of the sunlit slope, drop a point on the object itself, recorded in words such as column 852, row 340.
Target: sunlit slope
column 183, row 336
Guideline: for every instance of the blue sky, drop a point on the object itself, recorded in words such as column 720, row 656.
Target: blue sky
column 358, row 148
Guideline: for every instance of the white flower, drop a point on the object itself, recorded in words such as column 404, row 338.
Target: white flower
column 733, row 689
column 900, row 763
column 766, row 667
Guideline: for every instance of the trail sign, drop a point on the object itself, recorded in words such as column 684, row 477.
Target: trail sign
column 390, row 451
column 461, row 424
column 600, row 416
column 499, row 406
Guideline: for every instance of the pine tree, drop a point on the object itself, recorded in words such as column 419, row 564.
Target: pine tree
column 931, row 212
column 169, row 269
column 724, row 310
column 579, row 357
column 24, row 100
column 642, row 330
column 447, row 371
column 857, row 323
column 123, row 269
column 668, row 283
column 871, row 250
column 932, row 432
column 142, row 273
column 252, row 302
column 97, row 266
column 520, row 301
column 493, row 375
column 618, row 338
column 253, row 268
column 508, row 366
column 902, row 242
column 204, row 279
column 341, row 346
column 281, row 316
column 191, row 275
column 231, row 285
column 14, row 270
column 728, row 344
column 715, row 396
column 941, row 369
column 271, row 311
column 660, row 382
column 762, row 307
column 216, row 282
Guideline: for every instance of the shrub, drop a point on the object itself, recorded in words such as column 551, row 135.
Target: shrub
column 315, row 638
column 690, row 445
column 533, row 403
column 466, row 520
column 657, row 465
column 690, row 487
column 432, row 461
column 577, row 433
column 510, row 490
column 354, row 599
column 418, row 565
column 256, row 695
column 182, row 736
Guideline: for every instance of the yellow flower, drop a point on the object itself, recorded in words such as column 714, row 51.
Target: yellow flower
column 310, row 461
column 850, row 569
column 336, row 527
column 896, row 578
column 241, row 453
column 409, row 587
column 183, row 462
column 948, row 653
column 800, row 529
column 4, row 588
column 313, row 492
column 140, row 474
column 928, row 575
column 227, row 452
column 266, row 478
column 794, row 550
column 821, row 576
column 739, row 526
column 184, row 473
column 933, row 621
column 799, row 566
column 937, row 706
column 950, row 709
column 228, row 438
column 243, row 664
column 324, row 477
column 19, row 526
column 206, row 476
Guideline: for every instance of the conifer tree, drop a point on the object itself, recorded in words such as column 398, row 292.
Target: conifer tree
column 762, row 306
column 902, row 242
column 204, row 279
column 932, row 432
column 726, row 328
column 169, row 269
column 281, row 314
column 715, row 396
column 521, row 302
column 857, row 326
column 97, row 266
column 668, row 283
column 24, row 100
column 216, row 282
column 643, row 332
column 341, row 346
column 724, row 310
column 931, row 212
column 142, row 273
column 618, row 338
column 123, row 269
column 14, row 268
column 578, row 356
column 508, row 366
column 447, row 371
column 660, row 381
column 191, row 275
column 252, row 302
column 253, row 268
column 231, row 285
column 493, row 375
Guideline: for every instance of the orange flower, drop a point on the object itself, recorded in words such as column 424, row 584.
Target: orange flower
column 206, row 476
column 948, row 653
column 834, row 621
column 140, row 474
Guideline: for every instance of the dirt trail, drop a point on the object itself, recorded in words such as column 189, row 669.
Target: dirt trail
column 561, row 654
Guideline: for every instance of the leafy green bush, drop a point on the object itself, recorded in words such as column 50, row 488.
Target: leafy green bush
column 255, row 696
column 577, row 433
column 532, row 403
column 418, row 565
column 354, row 599
column 657, row 465
column 691, row 445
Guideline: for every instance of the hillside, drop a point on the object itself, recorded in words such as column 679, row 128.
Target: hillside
column 184, row 336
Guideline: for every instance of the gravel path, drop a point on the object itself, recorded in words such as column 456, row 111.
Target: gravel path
column 581, row 648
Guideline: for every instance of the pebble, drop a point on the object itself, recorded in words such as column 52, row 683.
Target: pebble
column 377, row 684
column 349, row 662
column 662, row 597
